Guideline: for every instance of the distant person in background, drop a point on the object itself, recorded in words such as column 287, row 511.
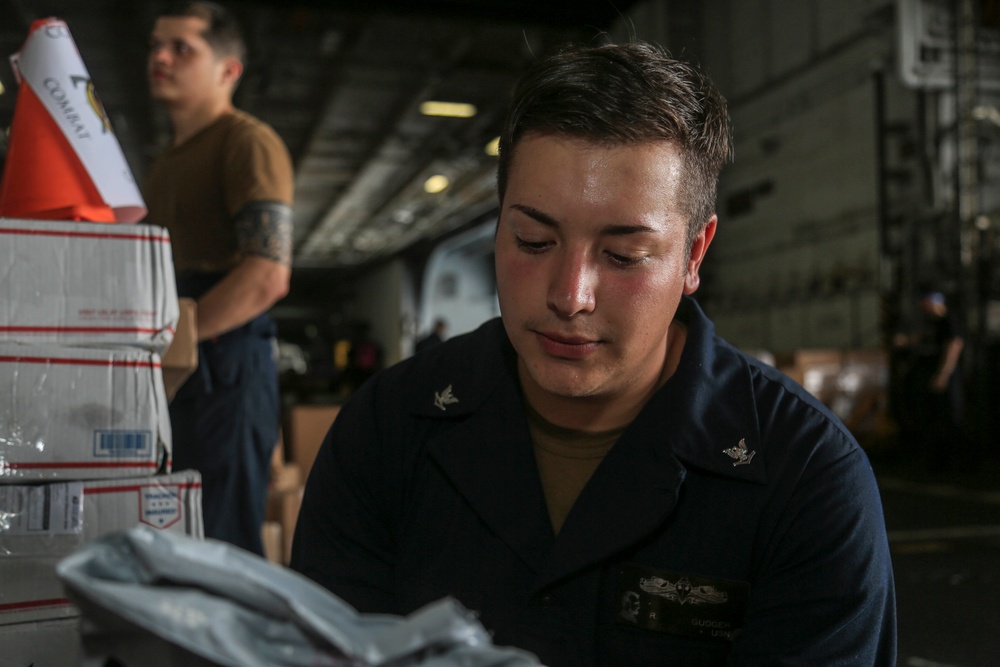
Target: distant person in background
column 436, row 336
column 364, row 357
column 931, row 384
column 223, row 188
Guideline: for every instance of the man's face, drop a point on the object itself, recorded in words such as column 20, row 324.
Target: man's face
column 932, row 307
column 591, row 264
column 182, row 68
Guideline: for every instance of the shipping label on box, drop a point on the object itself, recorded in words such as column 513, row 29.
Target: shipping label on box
column 165, row 502
column 81, row 413
column 30, row 552
column 44, row 510
column 81, row 283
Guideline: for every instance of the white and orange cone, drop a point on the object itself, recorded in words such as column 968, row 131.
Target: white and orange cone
column 63, row 161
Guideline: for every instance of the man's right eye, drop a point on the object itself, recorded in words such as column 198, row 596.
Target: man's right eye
column 531, row 246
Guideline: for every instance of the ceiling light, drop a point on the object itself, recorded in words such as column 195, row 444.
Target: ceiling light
column 493, row 148
column 991, row 114
column 435, row 184
column 448, row 109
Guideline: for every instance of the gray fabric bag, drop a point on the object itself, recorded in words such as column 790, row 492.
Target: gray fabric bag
column 156, row 599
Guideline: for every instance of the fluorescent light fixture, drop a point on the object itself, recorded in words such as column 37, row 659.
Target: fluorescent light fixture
column 435, row 184
column 493, row 148
column 448, row 109
column 982, row 112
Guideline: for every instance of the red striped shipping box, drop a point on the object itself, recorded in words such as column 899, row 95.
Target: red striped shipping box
column 81, row 413
column 44, row 523
column 81, row 283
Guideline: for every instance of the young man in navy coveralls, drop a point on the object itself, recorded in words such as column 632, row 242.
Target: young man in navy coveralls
column 597, row 475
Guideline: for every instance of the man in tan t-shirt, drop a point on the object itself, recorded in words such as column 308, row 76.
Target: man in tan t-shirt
column 223, row 189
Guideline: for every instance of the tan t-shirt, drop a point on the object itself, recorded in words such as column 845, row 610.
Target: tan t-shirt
column 566, row 460
column 195, row 189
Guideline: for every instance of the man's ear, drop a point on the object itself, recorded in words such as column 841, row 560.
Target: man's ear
column 232, row 70
column 698, row 249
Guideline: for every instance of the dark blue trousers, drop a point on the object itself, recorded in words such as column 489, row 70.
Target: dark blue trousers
column 225, row 421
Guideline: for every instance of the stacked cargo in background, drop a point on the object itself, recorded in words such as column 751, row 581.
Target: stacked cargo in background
column 87, row 312
column 304, row 428
column 854, row 384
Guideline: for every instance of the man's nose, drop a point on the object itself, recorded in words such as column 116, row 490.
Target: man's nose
column 158, row 54
column 572, row 289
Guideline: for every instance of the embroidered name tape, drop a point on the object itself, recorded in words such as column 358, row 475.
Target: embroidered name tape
column 681, row 604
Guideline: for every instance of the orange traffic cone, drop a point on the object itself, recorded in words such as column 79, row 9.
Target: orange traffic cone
column 63, row 160
column 44, row 179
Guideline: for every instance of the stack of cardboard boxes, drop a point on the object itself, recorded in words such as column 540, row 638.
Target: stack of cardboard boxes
column 87, row 312
column 853, row 383
column 305, row 427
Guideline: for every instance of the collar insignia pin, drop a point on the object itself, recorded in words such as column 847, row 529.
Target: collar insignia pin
column 740, row 453
column 441, row 399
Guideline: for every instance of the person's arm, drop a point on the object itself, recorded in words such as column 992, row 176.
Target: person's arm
column 949, row 362
column 260, row 279
column 824, row 594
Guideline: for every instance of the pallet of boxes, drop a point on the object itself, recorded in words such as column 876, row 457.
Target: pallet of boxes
column 853, row 383
column 88, row 311
column 304, row 429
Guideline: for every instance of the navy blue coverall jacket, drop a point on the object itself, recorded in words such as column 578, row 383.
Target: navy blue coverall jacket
column 736, row 521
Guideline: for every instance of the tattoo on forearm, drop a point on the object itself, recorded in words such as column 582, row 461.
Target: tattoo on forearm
column 264, row 229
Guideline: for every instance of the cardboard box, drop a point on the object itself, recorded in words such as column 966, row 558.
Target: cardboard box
column 81, row 283
column 283, row 508
column 307, row 428
column 278, row 454
column 270, row 536
column 815, row 369
column 42, row 644
column 181, row 358
column 286, row 477
column 808, row 357
column 80, row 413
column 47, row 522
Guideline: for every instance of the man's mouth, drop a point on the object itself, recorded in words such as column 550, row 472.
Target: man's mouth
column 567, row 346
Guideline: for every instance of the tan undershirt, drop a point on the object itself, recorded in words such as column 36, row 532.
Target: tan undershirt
column 567, row 458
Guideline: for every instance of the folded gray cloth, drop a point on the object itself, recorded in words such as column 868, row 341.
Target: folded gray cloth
column 152, row 598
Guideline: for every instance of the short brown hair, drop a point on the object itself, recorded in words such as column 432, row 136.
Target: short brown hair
column 223, row 33
column 620, row 94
